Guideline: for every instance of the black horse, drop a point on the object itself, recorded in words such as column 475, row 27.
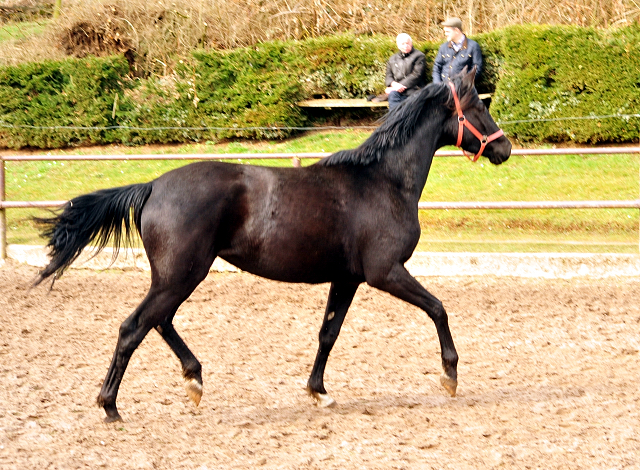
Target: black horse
column 348, row 219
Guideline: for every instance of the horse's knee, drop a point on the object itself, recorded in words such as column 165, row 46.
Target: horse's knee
column 436, row 311
column 328, row 336
column 127, row 328
column 130, row 333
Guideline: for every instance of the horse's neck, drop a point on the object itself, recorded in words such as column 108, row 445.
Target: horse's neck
column 408, row 166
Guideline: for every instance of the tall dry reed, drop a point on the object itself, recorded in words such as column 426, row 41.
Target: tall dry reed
column 162, row 31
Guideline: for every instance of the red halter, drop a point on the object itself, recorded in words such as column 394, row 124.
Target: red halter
column 462, row 123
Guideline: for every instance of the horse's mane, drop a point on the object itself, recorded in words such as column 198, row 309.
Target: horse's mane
column 396, row 130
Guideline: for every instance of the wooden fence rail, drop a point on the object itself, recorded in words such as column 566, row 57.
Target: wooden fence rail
column 296, row 161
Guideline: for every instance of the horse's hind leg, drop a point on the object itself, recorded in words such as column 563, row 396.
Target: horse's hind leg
column 399, row 283
column 132, row 332
column 191, row 367
column 340, row 297
column 158, row 307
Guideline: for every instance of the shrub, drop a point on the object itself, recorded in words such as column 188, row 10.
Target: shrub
column 552, row 73
column 160, row 33
column 252, row 87
column 258, row 86
column 535, row 72
column 78, row 93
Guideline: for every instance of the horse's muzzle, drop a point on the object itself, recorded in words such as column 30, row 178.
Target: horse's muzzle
column 499, row 151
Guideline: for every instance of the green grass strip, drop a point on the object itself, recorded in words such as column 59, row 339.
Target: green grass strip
column 529, row 178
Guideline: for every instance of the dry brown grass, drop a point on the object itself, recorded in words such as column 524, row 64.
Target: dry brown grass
column 160, row 32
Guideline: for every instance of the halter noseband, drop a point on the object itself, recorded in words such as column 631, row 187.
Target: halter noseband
column 462, row 123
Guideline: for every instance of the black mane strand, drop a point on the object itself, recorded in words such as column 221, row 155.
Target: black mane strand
column 397, row 129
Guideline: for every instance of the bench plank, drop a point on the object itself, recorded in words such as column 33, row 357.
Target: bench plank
column 354, row 103
column 346, row 103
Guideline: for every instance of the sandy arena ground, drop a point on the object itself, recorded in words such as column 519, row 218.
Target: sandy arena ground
column 549, row 375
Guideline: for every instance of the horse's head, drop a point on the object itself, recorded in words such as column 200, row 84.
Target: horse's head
column 471, row 126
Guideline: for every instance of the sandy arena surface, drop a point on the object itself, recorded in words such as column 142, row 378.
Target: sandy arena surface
column 548, row 377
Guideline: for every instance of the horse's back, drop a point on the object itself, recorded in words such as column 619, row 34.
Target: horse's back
column 280, row 223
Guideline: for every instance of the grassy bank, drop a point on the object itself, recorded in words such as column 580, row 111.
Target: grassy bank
column 22, row 30
column 568, row 177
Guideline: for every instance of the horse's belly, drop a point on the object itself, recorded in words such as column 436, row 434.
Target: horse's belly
column 311, row 267
column 309, row 243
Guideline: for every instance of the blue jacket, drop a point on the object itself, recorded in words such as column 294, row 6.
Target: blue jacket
column 449, row 62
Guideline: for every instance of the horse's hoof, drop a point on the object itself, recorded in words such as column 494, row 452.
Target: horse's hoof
column 323, row 400
column 449, row 384
column 109, row 408
column 194, row 390
column 113, row 418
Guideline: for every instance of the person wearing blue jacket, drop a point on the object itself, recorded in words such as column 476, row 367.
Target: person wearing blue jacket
column 459, row 51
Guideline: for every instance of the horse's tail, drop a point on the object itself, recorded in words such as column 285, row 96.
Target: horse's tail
column 92, row 217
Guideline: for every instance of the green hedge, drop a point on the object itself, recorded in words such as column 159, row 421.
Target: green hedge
column 553, row 72
column 249, row 87
column 71, row 93
column 259, row 86
column 534, row 72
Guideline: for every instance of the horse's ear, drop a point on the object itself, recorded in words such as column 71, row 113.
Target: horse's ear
column 468, row 78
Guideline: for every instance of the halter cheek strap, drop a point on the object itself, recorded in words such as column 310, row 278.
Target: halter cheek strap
column 462, row 123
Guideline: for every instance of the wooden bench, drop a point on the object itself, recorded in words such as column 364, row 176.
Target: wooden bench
column 348, row 103
column 355, row 103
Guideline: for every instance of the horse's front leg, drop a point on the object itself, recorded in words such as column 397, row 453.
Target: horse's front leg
column 340, row 297
column 399, row 283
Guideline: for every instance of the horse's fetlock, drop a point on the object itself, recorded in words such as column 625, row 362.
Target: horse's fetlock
column 315, row 385
column 106, row 403
column 450, row 364
column 192, row 372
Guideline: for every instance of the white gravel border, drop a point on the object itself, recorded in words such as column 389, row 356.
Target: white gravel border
column 542, row 265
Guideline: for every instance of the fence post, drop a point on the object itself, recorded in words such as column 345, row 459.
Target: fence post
column 296, row 162
column 3, row 214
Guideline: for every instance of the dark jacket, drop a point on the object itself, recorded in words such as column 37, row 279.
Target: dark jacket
column 449, row 62
column 407, row 69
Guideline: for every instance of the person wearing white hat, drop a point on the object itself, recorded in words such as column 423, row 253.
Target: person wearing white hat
column 406, row 71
